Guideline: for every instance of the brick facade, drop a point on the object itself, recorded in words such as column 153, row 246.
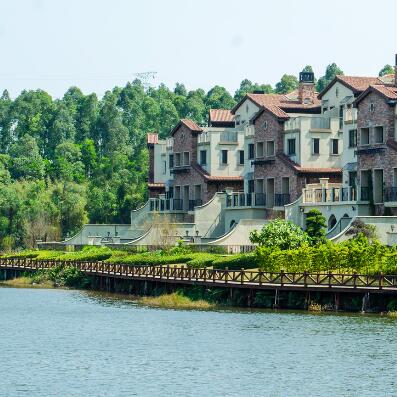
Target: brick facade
column 185, row 140
column 383, row 156
column 267, row 128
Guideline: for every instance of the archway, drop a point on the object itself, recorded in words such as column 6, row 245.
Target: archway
column 331, row 222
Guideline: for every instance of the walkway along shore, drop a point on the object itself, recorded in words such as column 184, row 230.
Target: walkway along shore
column 109, row 275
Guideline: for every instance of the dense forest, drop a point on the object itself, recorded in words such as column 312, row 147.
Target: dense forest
column 65, row 162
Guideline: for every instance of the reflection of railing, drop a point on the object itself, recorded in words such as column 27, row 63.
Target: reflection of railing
column 240, row 199
column 329, row 195
column 281, row 199
column 390, row 193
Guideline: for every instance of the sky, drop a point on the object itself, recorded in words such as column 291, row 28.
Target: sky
column 98, row 44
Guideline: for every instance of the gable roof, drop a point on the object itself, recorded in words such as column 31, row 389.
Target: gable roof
column 221, row 116
column 152, row 138
column 189, row 124
column 357, row 84
column 279, row 104
column 215, row 178
column 388, row 92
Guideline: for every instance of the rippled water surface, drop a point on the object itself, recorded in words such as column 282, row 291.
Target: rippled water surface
column 70, row 343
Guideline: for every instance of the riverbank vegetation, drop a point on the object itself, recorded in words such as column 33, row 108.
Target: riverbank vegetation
column 176, row 300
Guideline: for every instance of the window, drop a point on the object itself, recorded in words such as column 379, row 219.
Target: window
column 264, row 125
column 241, row 157
column 171, row 160
column 337, row 92
column 334, row 146
column 364, row 136
column 340, row 117
column 186, row 158
column 237, row 120
column 315, row 145
column 164, row 167
column 224, row 157
column 177, row 159
column 352, row 138
column 270, row 148
column 251, row 186
column 203, row 157
column 291, row 147
column 259, row 149
column 371, row 107
column 251, row 151
column 379, row 134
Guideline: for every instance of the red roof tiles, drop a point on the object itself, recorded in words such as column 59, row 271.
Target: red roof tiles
column 387, row 91
column 356, row 83
column 221, row 115
column 189, row 124
column 308, row 170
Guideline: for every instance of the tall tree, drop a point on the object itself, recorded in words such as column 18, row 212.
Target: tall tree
column 287, row 84
column 387, row 69
column 331, row 71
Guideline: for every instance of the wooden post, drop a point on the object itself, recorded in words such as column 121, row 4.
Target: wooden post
column 242, row 273
column 226, row 274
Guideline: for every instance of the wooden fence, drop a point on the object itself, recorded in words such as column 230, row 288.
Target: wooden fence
column 220, row 278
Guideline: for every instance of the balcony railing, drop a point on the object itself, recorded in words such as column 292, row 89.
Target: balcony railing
column 170, row 143
column 293, row 124
column 194, row 203
column 228, row 136
column 329, row 195
column 246, row 200
column 204, row 137
column 390, row 193
column 281, row 199
column 165, row 204
column 365, row 193
column 320, row 123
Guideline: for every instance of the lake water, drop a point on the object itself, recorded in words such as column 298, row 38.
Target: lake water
column 71, row 343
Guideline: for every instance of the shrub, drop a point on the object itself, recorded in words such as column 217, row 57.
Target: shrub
column 236, row 262
column 280, row 234
column 316, row 226
column 359, row 227
column 202, row 259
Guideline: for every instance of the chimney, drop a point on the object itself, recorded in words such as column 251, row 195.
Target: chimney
column 395, row 71
column 306, row 91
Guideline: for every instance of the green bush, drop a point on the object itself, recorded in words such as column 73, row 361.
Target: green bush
column 236, row 262
column 202, row 259
column 280, row 234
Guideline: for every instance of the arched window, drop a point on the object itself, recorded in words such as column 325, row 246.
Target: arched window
column 331, row 222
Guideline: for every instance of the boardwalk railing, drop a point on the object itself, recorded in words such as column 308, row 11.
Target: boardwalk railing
column 216, row 277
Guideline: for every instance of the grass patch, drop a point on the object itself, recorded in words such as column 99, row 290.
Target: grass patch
column 392, row 314
column 175, row 301
column 24, row 282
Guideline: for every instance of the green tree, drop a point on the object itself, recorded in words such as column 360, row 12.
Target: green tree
column 246, row 86
column 316, row 227
column 280, row 234
column 287, row 84
column 26, row 161
column 387, row 69
column 219, row 98
column 331, row 71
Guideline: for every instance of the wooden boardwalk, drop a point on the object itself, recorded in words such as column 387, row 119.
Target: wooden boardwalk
column 256, row 280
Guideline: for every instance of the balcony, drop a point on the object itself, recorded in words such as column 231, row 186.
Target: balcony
column 330, row 194
column 195, row 203
column 241, row 200
column 229, row 137
column 177, row 169
column 293, row 124
column 169, row 143
column 281, row 199
column 204, row 138
column 320, row 123
column 350, row 116
column 165, row 204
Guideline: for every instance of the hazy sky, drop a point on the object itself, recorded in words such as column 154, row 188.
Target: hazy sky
column 97, row 44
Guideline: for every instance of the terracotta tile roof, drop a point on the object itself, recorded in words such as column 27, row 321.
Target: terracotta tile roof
column 357, row 84
column 155, row 185
column 214, row 178
column 221, row 115
column 389, row 92
column 308, row 170
column 152, row 138
column 388, row 78
column 189, row 124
